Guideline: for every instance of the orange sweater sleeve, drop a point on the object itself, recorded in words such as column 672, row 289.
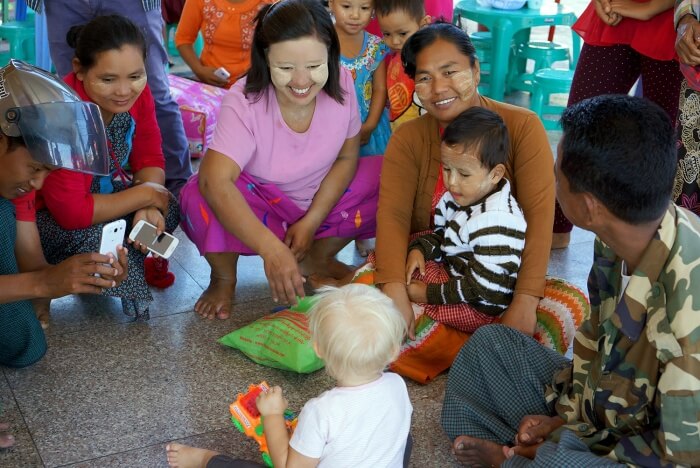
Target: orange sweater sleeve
column 397, row 195
column 190, row 23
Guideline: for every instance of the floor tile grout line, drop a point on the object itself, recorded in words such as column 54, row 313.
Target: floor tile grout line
column 24, row 420
column 166, row 442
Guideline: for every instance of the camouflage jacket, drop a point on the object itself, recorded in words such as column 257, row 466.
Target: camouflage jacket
column 633, row 391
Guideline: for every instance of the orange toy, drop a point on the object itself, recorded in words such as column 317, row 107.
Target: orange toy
column 246, row 417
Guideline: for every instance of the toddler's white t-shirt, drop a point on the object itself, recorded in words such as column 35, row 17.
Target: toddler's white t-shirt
column 356, row 426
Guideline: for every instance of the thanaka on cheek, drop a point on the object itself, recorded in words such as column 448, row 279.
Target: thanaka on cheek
column 464, row 84
column 136, row 85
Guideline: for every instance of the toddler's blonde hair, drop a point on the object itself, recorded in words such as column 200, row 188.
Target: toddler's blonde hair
column 357, row 330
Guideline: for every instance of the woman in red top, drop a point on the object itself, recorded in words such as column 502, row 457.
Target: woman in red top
column 623, row 40
column 109, row 70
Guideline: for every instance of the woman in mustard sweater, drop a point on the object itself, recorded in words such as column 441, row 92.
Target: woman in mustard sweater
column 442, row 61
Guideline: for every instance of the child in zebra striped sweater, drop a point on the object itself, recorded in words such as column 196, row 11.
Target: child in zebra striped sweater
column 479, row 228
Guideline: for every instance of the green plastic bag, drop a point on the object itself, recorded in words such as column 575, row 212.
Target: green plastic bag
column 281, row 340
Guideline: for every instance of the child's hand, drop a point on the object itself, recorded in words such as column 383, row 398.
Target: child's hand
column 365, row 133
column 418, row 292
column 271, row 402
column 415, row 260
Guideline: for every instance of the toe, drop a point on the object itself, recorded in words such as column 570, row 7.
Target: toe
column 7, row 441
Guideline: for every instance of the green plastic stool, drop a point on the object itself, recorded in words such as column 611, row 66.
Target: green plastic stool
column 545, row 83
column 482, row 42
column 172, row 50
column 20, row 36
column 544, row 54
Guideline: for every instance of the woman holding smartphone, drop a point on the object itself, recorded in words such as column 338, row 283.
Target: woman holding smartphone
column 109, row 70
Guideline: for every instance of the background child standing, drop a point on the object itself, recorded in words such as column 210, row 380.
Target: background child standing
column 398, row 20
column 362, row 54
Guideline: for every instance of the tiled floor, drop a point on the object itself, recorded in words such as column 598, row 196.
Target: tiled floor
column 113, row 393
column 110, row 393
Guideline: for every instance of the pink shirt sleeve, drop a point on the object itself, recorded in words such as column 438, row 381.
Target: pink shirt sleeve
column 233, row 135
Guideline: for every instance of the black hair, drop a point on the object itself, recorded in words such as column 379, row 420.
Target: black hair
column 621, row 150
column 429, row 34
column 101, row 34
column 413, row 8
column 483, row 130
column 289, row 20
column 13, row 141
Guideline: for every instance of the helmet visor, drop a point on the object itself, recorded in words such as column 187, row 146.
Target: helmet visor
column 69, row 135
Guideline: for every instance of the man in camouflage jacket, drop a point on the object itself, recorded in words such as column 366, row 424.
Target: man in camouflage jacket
column 632, row 392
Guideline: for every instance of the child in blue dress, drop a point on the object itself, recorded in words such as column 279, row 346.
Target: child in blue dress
column 362, row 54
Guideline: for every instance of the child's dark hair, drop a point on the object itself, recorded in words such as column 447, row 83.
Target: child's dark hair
column 101, row 34
column 621, row 150
column 415, row 9
column 289, row 20
column 483, row 130
column 431, row 33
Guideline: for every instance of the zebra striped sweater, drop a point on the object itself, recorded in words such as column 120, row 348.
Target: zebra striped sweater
column 481, row 246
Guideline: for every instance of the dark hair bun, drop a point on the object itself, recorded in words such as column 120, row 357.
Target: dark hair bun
column 73, row 35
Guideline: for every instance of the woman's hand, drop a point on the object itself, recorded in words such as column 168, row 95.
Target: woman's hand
column 157, row 195
column 521, row 314
column 606, row 13
column 397, row 292
column 79, row 275
column 300, row 237
column 206, row 75
column 121, row 267
column 687, row 40
column 152, row 216
column 642, row 11
column 283, row 274
column 415, row 259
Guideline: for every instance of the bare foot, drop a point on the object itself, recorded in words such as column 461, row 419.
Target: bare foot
column 217, row 299
column 472, row 451
column 318, row 281
column 560, row 240
column 6, row 440
column 364, row 246
column 184, row 456
column 338, row 270
column 42, row 309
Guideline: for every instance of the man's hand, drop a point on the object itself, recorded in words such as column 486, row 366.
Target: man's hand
column 532, row 432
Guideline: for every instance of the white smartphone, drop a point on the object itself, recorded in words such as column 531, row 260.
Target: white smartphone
column 112, row 236
column 145, row 233
column 222, row 73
